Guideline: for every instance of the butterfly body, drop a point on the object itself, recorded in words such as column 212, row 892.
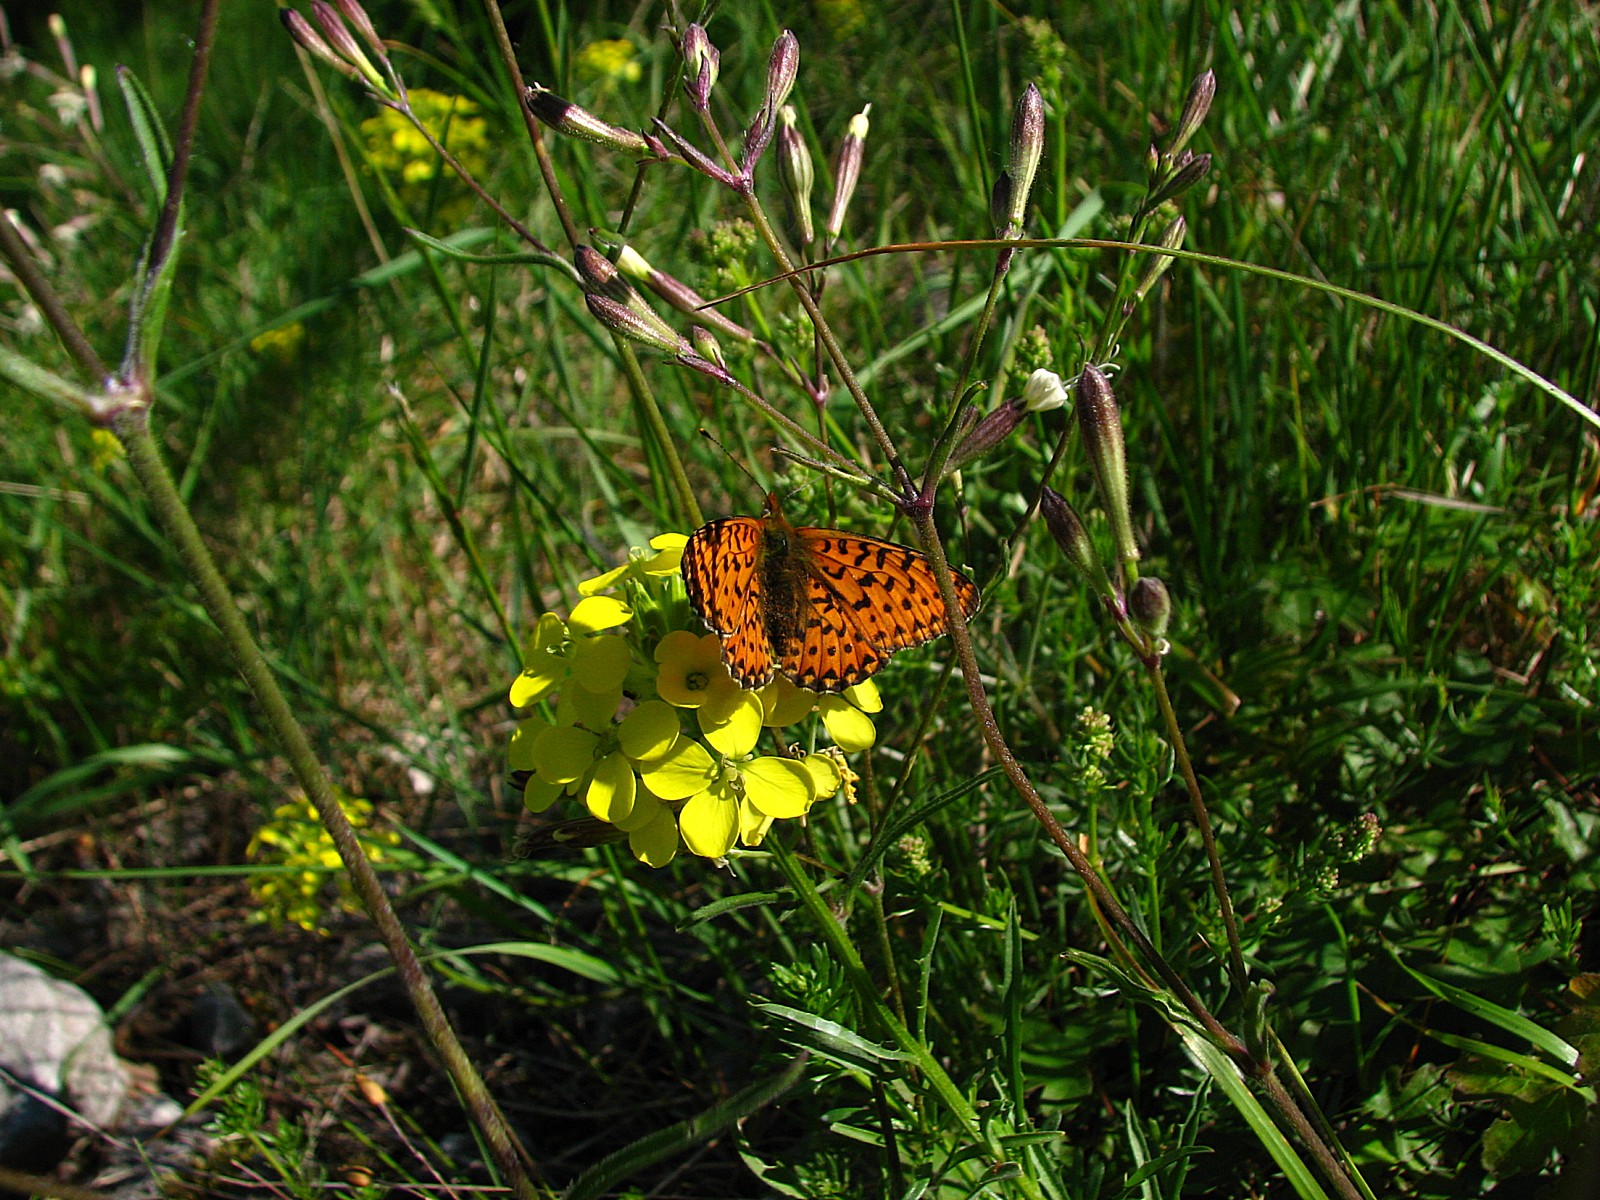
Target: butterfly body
column 824, row 607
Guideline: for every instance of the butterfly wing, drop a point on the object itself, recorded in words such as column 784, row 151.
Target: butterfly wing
column 866, row 598
column 722, row 573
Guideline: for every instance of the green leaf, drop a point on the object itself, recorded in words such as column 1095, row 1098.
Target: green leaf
column 155, row 150
column 833, row 1041
column 682, row 1137
column 1557, row 1047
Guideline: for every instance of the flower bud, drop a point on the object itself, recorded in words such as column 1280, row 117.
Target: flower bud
column 1189, row 170
column 619, row 308
column 338, row 37
column 987, row 434
column 701, row 61
column 847, row 170
column 1027, row 145
column 1066, row 527
column 621, row 319
column 357, row 16
column 681, row 296
column 782, row 67
column 311, row 41
column 705, row 345
column 1101, row 422
column 1155, row 265
column 565, row 117
column 1195, row 108
column 1043, row 391
column 796, row 175
column 1150, row 606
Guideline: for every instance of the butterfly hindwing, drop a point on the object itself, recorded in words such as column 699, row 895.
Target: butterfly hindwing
column 889, row 589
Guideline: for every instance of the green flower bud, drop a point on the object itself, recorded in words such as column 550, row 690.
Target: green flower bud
column 987, row 434
column 1150, row 606
column 565, row 117
column 681, row 296
column 311, row 41
column 1067, row 528
column 796, row 175
column 1195, row 108
column 1101, row 422
column 701, row 62
column 847, row 170
column 782, row 67
column 1027, row 145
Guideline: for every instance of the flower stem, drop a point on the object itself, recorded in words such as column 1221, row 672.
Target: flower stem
column 132, row 426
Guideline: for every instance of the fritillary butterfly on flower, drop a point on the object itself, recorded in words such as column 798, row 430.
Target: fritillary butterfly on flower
column 824, row 607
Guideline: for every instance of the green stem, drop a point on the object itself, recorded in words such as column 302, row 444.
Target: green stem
column 1219, row 880
column 132, row 425
column 844, row 952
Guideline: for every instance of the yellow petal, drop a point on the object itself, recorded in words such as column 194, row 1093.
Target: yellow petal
column 595, row 613
column 709, row 822
column 668, row 557
column 680, row 772
column 600, row 583
column 753, row 825
column 592, row 710
column 864, row 696
column 601, row 663
column 539, row 795
column 735, row 735
column 656, row 843
column 850, row 728
column 824, row 772
column 519, row 753
column 611, row 791
column 538, row 680
column 563, row 753
column 784, row 703
column 648, row 731
column 779, row 787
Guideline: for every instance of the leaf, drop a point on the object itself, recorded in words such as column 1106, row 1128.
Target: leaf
column 684, row 1136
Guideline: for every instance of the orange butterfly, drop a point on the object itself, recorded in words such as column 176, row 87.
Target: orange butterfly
column 824, row 607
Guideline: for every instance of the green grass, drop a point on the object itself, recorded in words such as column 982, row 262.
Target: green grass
column 1380, row 545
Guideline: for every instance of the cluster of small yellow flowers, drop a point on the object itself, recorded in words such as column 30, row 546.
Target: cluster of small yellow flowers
column 280, row 345
column 638, row 717
column 296, row 838
column 398, row 149
column 612, row 61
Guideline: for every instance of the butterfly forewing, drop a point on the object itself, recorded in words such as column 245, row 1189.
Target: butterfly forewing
column 826, row 607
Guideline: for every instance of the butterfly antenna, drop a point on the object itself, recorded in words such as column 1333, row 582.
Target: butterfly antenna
column 761, row 488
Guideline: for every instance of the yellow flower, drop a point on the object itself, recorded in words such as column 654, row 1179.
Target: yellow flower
column 578, row 652
column 612, row 61
column 844, row 715
column 599, row 766
column 693, row 675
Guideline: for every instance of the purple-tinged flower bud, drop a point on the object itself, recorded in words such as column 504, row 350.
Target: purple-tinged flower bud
column 621, row 319
column 1155, row 265
column 1043, row 391
column 1150, row 606
column 565, row 117
column 681, row 296
column 311, row 41
column 847, row 170
column 988, row 433
column 705, row 345
column 1195, row 108
column 796, row 174
column 1027, row 145
column 1067, row 528
column 357, row 16
column 701, row 61
column 1101, row 423
column 338, row 36
column 782, row 67
column 1000, row 204
column 1189, row 170
column 609, row 295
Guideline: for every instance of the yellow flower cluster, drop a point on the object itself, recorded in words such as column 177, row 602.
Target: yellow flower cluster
column 612, row 60
column 296, row 838
column 397, row 148
column 648, row 727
